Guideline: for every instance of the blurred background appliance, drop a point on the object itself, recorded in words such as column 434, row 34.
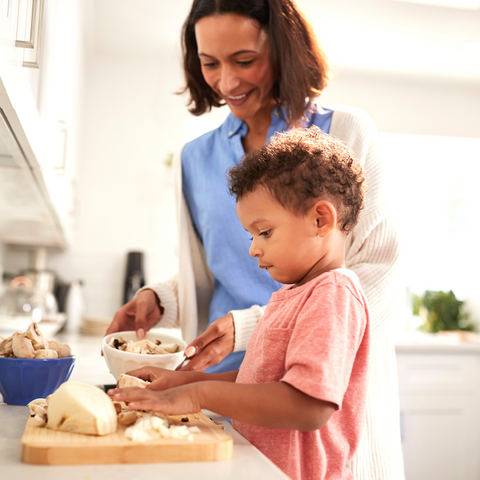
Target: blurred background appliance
column 134, row 278
column 30, row 297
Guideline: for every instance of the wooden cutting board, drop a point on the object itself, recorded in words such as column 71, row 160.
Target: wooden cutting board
column 43, row 446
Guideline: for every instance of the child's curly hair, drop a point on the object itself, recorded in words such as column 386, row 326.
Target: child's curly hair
column 301, row 166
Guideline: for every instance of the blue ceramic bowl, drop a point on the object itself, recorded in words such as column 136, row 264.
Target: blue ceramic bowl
column 22, row 380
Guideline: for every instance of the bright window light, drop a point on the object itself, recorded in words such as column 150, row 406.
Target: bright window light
column 433, row 188
column 472, row 48
column 462, row 4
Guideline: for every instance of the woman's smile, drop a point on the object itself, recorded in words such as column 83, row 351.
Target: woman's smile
column 237, row 100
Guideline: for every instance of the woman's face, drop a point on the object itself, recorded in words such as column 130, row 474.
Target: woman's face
column 234, row 54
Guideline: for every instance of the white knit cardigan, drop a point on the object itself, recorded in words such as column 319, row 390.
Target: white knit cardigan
column 372, row 252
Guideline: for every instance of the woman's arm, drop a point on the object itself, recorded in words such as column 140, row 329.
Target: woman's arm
column 272, row 405
column 373, row 248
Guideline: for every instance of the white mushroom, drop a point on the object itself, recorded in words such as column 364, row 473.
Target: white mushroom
column 36, row 337
column 40, row 420
column 138, row 347
column 38, row 410
column 81, row 408
column 166, row 348
column 6, row 347
column 62, row 349
column 129, row 381
column 22, row 346
column 46, row 353
column 127, row 418
column 118, row 343
column 39, row 401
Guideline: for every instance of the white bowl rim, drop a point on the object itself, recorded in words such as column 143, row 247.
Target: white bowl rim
column 142, row 355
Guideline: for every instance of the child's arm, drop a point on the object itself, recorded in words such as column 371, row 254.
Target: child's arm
column 273, row 405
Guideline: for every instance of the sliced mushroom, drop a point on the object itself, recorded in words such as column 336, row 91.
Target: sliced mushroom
column 141, row 346
column 62, row 349
column 118, row 407
column 127, row 418
column 129, row 381
column 40, row 420
column 46, row 353
column 118, row 343
column 39, row 401
column 166, row 348
column 22, row 346
column 6, row 347
column 36, row 337
column 38, row 410
column 42, row 402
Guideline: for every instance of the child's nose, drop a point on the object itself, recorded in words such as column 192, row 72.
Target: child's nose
column 254, row 249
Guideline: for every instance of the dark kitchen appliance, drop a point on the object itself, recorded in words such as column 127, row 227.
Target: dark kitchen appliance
column 134, row 278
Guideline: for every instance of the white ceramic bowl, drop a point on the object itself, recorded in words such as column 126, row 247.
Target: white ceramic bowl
column 121, row 362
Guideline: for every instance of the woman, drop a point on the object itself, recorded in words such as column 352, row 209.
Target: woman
column 260, row 58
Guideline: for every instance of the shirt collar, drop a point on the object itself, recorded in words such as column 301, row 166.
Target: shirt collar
column 233, row 125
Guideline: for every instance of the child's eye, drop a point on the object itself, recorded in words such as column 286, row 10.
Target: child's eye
column 266, row 233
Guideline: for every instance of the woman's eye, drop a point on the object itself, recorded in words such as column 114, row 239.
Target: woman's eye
column 208, row 65
column 248, row 62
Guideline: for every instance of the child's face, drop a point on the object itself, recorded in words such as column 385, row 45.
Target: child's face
column 288, row 246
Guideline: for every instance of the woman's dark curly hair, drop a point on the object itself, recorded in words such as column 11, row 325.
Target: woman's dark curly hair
column 301, row 166
column 299, row 64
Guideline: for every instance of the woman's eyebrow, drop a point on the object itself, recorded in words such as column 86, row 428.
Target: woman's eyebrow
column 200, row 54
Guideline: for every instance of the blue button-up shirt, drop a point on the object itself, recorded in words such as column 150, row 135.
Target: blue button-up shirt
column 239, row 283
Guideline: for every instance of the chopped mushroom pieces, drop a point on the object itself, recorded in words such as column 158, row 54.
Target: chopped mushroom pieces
column 151, row 427
column 145, row 346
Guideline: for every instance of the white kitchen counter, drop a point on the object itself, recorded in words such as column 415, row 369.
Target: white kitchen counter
column 420, row 342
column 90, row 367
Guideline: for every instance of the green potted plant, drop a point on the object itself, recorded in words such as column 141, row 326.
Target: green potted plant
column 441, row 311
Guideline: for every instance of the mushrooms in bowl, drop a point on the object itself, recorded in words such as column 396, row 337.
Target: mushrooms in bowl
column 123, row 351
column 32, row 366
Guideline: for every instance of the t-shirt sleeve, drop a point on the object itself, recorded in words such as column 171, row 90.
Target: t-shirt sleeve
column 324, row 343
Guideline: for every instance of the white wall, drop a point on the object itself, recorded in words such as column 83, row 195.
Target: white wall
column 131, row 122
column 410, row 104
column 125, row 196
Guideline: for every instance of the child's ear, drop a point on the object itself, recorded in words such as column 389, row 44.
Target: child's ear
column 325, row 216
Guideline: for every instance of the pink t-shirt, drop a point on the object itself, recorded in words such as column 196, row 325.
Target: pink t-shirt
column 315, row 338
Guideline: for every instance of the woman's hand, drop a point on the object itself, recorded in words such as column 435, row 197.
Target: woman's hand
column 212, row 346
column 139, row 314
column 175, row 401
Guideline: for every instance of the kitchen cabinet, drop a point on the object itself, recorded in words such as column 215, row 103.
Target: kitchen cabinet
column 40, row 110
column 439, row 389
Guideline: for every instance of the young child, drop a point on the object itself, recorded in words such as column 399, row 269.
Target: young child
column 300, row 393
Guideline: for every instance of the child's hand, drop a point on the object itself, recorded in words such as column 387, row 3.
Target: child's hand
column 161, row 378
column 175, row 401
column 149, row 374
